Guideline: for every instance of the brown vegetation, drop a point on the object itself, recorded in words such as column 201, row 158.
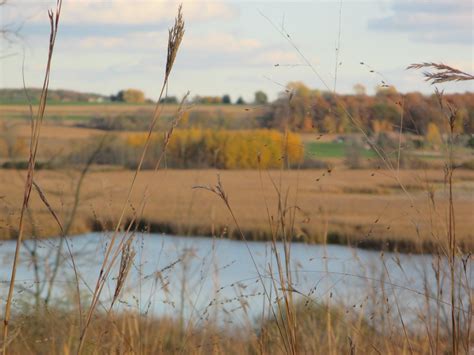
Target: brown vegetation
column 363, row 207
column 319, row 330
column 87, row 111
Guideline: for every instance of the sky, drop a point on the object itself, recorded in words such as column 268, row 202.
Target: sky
column 237, row 47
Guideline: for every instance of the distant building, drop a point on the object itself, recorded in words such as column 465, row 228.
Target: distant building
column 95, row 99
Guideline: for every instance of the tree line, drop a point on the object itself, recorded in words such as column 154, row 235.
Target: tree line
column 199, row 148
column 303, row 109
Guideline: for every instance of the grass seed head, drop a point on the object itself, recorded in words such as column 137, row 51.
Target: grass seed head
column 440, row 73
column 175, row 37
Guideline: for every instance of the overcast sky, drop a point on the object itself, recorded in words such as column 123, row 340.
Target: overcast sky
column 236, row 47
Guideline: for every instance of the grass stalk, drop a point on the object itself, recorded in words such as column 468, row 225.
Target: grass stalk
column 34, row 143
column 176, row 34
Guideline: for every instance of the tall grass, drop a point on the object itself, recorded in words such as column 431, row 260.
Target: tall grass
column 35, row 135
column 175, row 37
column 443, row 73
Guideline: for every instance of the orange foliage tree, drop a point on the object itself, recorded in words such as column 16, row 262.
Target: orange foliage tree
column 227, row 149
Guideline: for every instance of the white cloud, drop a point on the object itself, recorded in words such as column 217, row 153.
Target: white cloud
column 216, row 49
column 140, row 12
column 210, row 42
column 437, row 21
column 276, row 56
column 222, row 42
column 132, row 40
column 119, row 12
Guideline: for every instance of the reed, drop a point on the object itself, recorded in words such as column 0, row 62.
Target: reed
column 441, row 73
column 175, row 37
column 34, row 143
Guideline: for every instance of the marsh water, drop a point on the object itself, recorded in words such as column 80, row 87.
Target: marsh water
column 200, row 278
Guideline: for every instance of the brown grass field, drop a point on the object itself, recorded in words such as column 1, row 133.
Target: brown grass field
column 89, row 110
column 363, row 207
column 60, row 136
column 367, row 208
column 130, row 333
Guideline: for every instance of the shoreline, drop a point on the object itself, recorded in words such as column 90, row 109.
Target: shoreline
column 333, row 238
column 402, row 246
column 359, row 208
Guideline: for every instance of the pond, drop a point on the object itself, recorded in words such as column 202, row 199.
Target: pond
column 199, row 278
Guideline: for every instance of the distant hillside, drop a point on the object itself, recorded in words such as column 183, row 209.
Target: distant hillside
column 17, row 96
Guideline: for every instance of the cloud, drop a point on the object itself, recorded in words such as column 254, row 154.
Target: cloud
column 209, row 43
column 436, row 21
column 131, row 40
column 222, row 42
column 121, row 12
column 197, row 51
column 275, row 56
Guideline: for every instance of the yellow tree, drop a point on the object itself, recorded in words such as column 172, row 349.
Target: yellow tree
column 432, row 134
column 132, row 96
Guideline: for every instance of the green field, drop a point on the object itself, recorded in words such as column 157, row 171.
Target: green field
column 333, row 150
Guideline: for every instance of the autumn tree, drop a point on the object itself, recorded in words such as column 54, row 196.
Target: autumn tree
column 169, row 100
column 300, row 108
column 432, row 134
column 260, row 98
column 359, row 89
column 240, row 101
column 224, row 149
column 226, row 99
column 207, row 100
column 130, row 96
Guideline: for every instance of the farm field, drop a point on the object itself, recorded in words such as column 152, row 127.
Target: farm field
column 65, row 128
column 75, row 111
column 361, row 207
column 334, row 150
column 364, row 207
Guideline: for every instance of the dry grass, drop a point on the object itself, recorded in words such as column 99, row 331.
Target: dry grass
column 60, row 137
column 6, row 111
column 36, row 123
column 437, row 73
column 53, row 331
column 59, row 133
column 361, row 205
